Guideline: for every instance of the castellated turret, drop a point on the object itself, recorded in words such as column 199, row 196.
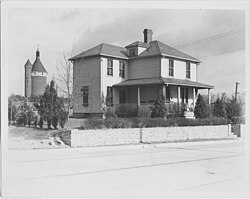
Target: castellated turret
column 38, row 77
column 35, row 78
column 28, row 68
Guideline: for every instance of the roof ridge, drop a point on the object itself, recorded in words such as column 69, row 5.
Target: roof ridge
column 101, row 47
column 190, row 57
column 111, row 45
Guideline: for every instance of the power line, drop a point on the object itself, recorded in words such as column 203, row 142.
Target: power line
column 235, row 31
column 224, row 52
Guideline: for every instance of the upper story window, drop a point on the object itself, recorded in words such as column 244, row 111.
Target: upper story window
column 85, row 92
column 122, row 69
column 188, row 70
column 132, row 52
column 171, row 67
column 110, row 67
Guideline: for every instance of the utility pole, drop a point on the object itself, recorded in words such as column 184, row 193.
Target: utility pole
column 236, row 91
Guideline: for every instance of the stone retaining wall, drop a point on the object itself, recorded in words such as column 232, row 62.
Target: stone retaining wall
column 184, row 133
column 85, row 138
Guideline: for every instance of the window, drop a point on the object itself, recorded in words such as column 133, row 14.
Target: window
column 109, row 98
column 110, row 67
column 85, row 92
column 122, row 69
column 171, row 67
column 187, row 70
column 132, row 52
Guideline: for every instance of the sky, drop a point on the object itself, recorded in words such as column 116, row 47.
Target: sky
column 57, row 30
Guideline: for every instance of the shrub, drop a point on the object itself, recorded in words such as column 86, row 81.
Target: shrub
column 41, row 122
column 93, row 123
column 200, row 110
column 62, row 118
column 55, row 121
column 110, row 112
column 159, row 108
column 233, row 109
column 117, row 123
column 149, row 122
column 144, row 111
column 36, row 118
column 219, row 108
column 173, row 110
column 156, row 122
column 48, row 122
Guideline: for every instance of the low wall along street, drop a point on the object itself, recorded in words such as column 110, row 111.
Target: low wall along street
column 107, row 137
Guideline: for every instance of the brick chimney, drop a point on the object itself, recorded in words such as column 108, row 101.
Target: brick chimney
column 147, row 35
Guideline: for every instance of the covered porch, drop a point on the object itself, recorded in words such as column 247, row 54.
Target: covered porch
column 131, row 94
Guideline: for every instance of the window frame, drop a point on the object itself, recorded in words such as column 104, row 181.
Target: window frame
column 110, row 67
column 132, row 50
column 122, row 69
column 85, row 95
column 171, row 68
column 188, row 70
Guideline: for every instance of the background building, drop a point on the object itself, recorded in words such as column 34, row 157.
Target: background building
column 35, row 78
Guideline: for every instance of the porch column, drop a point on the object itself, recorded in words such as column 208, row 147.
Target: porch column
column 164, row 92
column 208, row 94
column 194, row 97
column 178, row 96
column 138, row 96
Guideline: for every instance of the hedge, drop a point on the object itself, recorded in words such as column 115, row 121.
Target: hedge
column 149, row 122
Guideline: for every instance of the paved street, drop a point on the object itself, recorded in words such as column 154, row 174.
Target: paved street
column 212, row 168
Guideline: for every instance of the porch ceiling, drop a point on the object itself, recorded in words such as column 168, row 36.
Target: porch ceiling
column 163, row 80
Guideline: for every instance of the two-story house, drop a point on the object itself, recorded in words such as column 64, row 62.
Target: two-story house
column 133, row 76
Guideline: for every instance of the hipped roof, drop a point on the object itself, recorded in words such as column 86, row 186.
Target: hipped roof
column 154, row 48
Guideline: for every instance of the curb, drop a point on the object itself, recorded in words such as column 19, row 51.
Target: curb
column 151, row 145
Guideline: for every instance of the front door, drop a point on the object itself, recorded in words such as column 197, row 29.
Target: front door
column 122, row 96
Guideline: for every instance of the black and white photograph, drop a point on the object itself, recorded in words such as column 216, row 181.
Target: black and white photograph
column 124, row 99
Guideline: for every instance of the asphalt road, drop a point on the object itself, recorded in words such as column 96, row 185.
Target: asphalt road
column 212, row 168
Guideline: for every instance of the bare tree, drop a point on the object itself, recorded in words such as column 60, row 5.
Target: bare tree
column 65, row 78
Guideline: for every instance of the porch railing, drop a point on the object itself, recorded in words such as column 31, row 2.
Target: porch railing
column 126, row 108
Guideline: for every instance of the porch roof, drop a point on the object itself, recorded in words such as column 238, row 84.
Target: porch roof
column 163, row 80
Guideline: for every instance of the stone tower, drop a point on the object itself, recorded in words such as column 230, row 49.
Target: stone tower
column 27, row 88
column 38, row 77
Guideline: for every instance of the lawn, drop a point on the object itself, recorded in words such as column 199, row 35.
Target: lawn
column 31, row 133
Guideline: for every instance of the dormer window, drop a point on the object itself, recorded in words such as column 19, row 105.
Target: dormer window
column 188, row 70
column 171, row 68
column 132, row 52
